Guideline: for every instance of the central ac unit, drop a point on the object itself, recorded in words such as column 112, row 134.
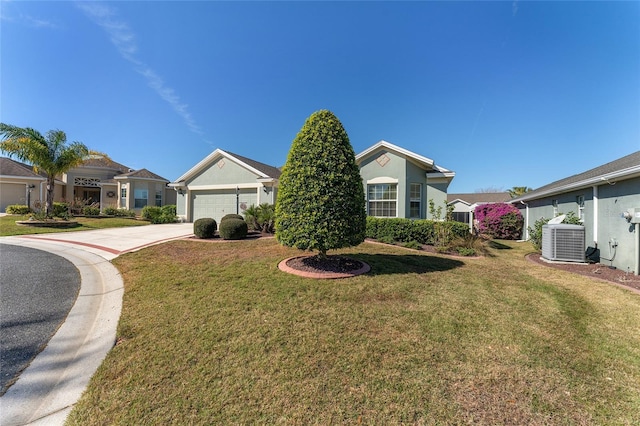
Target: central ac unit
column 563, row 242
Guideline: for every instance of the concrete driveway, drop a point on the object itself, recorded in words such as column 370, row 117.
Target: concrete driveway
column 46, row 391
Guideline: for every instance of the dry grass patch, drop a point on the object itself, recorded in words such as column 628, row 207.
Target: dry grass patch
column 216, row 334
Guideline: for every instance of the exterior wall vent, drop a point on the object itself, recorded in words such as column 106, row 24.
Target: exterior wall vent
column 563, row 242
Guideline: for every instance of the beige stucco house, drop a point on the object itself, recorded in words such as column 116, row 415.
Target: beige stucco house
column 99, row 181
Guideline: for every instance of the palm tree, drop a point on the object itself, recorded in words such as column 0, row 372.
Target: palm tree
column 49, row 154
column 517, row 191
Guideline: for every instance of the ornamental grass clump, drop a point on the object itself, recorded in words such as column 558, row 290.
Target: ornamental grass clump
column 499, row 220
column 321, row 202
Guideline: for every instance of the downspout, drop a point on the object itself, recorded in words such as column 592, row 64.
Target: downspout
column 595, row 216
column 637, row 268
column 526, row 220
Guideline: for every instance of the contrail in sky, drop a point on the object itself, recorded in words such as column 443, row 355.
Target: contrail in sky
column 124, row 39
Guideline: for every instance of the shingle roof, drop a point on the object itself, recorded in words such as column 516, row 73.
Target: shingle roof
column 268, row 170
column 623, row 167
column 480, row 197
column 106, row 163
column 10, row 167
column 142, row 173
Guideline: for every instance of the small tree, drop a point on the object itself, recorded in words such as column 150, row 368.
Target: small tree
column 49, row 153
column 321, row 203
column 499, row 220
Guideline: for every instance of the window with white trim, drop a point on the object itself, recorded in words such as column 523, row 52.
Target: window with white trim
column 415, row 201
column 123, row 197
column 554, row 203
column 158, row 196
column 382, row 199
column 140, row 198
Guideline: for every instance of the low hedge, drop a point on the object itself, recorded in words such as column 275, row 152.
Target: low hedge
column 164, row 214
column 18, row 209
column 436, row 233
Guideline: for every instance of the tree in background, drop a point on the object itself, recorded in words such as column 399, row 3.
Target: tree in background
column 49, row 154
column 499, row 220
column 321, row 203
column 517, row 191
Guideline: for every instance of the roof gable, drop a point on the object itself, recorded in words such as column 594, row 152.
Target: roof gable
column 141, row 174
column 424, row 162
column 622, row 168
column 260, row 169
column 480, row 197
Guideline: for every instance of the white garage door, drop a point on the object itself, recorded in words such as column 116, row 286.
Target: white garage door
column 216, row 204
column 12, row 193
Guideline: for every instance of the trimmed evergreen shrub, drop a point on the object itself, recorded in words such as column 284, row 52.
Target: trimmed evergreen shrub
column 62, row 209
column 233, row 229
column 321, row 202
column 90, row 211
column 165, row 214
column 205, row 227
column 436, row 233
column 112, row 211
column 18, row 209
column 231, row 216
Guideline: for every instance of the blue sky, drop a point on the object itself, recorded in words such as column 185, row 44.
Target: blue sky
column 503, row 93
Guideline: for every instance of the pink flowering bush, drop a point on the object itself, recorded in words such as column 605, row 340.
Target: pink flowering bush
column 499, row 220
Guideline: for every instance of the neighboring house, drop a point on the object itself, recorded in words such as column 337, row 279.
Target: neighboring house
column 397, row 182
column 19, row 184
column 465, row 204
column 224, row 183
column 599, row 197
column 98, row 181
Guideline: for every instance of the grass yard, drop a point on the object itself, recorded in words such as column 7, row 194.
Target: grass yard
column 8, row 226
column 214, row 333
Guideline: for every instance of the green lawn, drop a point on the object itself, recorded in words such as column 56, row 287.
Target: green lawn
column 9, row 227
column 214, row 333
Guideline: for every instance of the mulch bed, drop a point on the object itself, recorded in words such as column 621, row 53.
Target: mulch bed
column 592, row 270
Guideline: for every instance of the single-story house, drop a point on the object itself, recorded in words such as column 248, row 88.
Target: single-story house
column 98, row 180
column 605, row 199
column 397, row 183
column 401, row 183
column 19, row 184
column 465, row 204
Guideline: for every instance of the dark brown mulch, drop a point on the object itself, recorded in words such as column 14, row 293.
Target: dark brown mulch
column 332, row 263
column 593, row 270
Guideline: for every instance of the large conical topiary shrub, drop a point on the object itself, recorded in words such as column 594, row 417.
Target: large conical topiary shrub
column 321, row 204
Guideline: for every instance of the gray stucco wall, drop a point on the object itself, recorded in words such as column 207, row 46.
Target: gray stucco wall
column 602, row 226
column 223, row 172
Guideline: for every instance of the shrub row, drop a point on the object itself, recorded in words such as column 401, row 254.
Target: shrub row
column 232, row 227
column 18, row 209
column 112, row 211
column 164, row 214
column 429, row 232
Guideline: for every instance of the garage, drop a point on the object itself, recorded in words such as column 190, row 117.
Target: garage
column 12, row 193
column 217, row 203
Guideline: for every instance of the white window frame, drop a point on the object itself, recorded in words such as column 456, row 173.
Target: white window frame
column 413, row 189
column 382, row 201
column 145, row 196
column 554, row 203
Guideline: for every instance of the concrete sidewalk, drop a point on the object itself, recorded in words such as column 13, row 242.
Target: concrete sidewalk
column 47, row 390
